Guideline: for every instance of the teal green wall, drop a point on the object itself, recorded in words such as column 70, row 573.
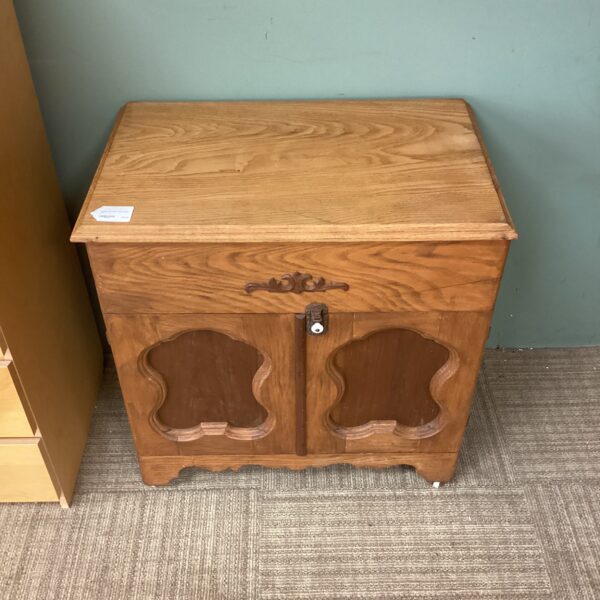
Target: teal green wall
column 530, row 68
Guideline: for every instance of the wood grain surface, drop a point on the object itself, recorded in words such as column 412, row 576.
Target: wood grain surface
column 300, row 382
column 244, row 213
column 207, row 378
column 15, row 420
column 24, row 474
column 462, row 334
column 397, row 170
column 434, row 466
column 45, row 312
column 195, row 278
column 385, row 377
column 273, row 385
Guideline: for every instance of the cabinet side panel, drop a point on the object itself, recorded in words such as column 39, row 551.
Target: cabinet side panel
column 45, row 311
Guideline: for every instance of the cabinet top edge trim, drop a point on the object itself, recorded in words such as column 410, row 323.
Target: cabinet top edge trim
column 350, row 233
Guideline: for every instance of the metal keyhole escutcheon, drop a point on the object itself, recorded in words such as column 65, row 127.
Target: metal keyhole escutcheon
column 317, row 319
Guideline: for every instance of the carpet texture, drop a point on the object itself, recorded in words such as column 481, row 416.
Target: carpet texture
column 521, row 519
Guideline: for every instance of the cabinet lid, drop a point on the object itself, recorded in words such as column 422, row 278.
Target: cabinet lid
column 326, row 171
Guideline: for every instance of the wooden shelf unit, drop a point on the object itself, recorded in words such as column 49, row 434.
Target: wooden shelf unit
column 50, row 352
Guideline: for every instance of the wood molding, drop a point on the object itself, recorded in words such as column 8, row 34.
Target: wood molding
column 271, row 335
column 439, row 378
column 433, row 466
column 205, row 428
column 300, row 382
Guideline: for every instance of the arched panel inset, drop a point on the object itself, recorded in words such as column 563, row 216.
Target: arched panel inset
column 207, row 381
column 384, row 383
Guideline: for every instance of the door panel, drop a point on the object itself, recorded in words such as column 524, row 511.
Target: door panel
column 209, row 384
column 395, row 366
column 207, row 377
column 392, row 382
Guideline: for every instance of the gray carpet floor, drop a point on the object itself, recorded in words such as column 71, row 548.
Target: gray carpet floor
column 520, row 520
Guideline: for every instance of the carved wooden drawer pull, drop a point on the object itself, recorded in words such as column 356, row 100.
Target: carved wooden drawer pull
column 296, row 283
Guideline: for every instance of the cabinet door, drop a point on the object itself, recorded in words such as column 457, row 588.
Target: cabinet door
column 392, row 382
column 208, row 384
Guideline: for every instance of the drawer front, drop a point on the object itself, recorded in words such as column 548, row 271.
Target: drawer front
column 13, row 418
column 251, row 278
column 23, row 473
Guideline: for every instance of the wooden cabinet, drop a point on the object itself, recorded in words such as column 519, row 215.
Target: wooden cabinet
column 300, row 283
column 50, row 352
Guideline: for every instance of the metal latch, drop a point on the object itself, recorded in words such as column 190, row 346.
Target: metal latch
column 317, row 319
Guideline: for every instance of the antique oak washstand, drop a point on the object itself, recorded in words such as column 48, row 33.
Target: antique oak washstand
column 296, row 284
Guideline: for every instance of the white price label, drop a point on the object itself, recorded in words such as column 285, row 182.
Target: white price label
column 113, row 214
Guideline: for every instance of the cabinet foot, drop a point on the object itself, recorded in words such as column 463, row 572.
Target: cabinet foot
column 437, row 469
column 158, row 474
